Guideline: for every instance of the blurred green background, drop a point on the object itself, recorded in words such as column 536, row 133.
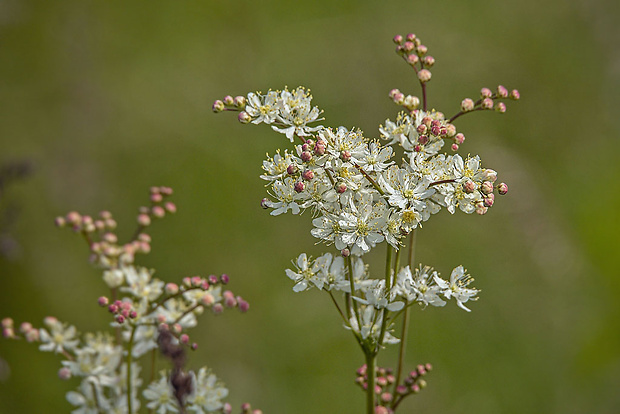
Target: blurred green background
column 106, row 98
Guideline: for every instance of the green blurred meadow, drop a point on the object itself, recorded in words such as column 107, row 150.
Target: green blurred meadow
column 107, row 98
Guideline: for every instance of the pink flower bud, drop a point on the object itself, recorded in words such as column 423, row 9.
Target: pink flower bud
column 345, row 252
column 239, row 101
column 401, row 390
column 228, row 100
column 386, row 397
column 393, row 92
column 194, row 346
column 319, row 148
column 184, row 339
column 170, row 207
column 74, row 218
column 382, row 381
column 422, row 50
column 450, row 130
column 486, row 187
column 502, row 92
column 421, row 129
column 291, row 169
column 411, row 37
column 381, row 410
column 213, row 279
column 423, row 140
column 489, row 200
column 32, row 335
column 207, row 299
column 485, row 93
column 7, row 323
column 244, row 117
column 467, row 105
column 50, row 321
column 429, row 61
column 417, row 148
column 158, row 211
column 308, row 175
column 415, row 388
column 487, row 103
column 424, row 75
column 515, row 95
column 408, row 46
column 412, row 59
column 502, row 188
column 398, row 39
column 120, row 318
column 224, row 279
column 306, row 156
column 469, row 186
column 177, row 328
column 501, row 107
column 60, row 221
column 481, row 210
column 459, row 138
column 399, row 98
column 345, row 156
column 144, row 220
column 103, row 301
column 243, row 305
column 455, row 147
column 64, row 373
column 218, row 308
column 299, row 186
column 157, row 198
column 25, row 327
column 218, row 106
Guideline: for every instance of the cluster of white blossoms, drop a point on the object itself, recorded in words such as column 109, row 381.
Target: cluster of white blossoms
column 142, row 307
column 360, row 197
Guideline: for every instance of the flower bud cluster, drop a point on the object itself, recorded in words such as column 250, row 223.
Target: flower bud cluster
column 103, row 241
column 228, row 103
column 415, row 54
column 389, row 394
column 489, row 100
column 410, row 102
column 143, row 308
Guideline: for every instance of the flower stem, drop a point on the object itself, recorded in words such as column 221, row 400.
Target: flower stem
column 129, row 362
column 371, row 357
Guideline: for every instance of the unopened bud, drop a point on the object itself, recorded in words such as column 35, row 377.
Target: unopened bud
column 467, row 105
column 486, row 187
column 64, row 373
column 422, row 50
column 300, row 186
column 487, row 103
column 144, row 220
column 408, row 46
column 60, row 221
column 345, row 156
column 341, row 188
column 421, row 129
column 291, row 169
column 393, row 92
column 244, row 117
column 228, row 100
column 411, row 102
column 502, row 92
column 469, row 186
column 502, row 188
column 429, row 61
column 103, row 301
column 306, row 156
column 500, row 107
column 345, row 252
column 424, row 75
column 399, row 98
column 459, row 138
column 308, row 175
column 485, row 93
column 489, row 200
column 239, row 101
column 412, row 59
column 423, row 140
column 398, row 39
column 514, row 94
column 454, row 147
column 218, row 106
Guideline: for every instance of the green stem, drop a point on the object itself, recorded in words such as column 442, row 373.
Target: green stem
column 401, row 354
column 129, row 362
column 371, row 357
column 351, row 303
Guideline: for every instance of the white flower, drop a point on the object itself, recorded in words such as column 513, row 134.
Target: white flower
column 371, row 322
column 284, row 192
column 396, row 131
column 207, row 393
column 377, row 297
column 86, row 401
column 405, row 189
column 374, row 157
column 306, row 274
column 113, row 278
column 275, row 167
column 361, row 226
column 160, row 396
column 263, row 108
column 421, row 287
column 141, row 284
column 60, row 338
column 295, row 113
column 457, row 288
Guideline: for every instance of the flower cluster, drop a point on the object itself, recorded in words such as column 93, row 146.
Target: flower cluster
column 390, row 394
column 361, row 196
column 144, row 310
